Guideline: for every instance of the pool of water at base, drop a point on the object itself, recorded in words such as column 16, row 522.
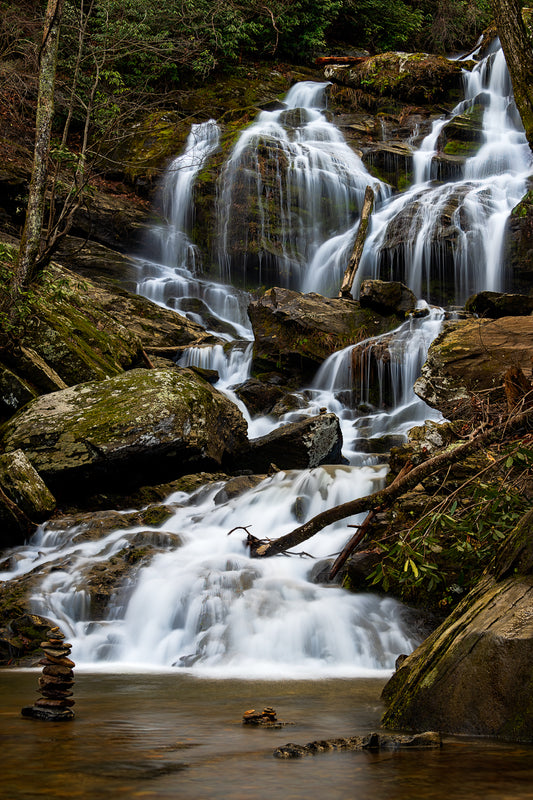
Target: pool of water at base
column 173, row 735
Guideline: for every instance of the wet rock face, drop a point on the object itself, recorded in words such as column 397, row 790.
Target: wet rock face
column 471, row 356
column 387, row 297
column 133, row 427
column 473, row 674
column 295, row 332
column 495, row 305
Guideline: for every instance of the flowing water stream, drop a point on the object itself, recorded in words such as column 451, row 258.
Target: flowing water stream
column 203, row 607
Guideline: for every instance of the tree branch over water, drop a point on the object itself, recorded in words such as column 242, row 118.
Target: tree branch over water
column 384, row 498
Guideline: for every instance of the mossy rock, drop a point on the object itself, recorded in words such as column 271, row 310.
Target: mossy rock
column 138, row 426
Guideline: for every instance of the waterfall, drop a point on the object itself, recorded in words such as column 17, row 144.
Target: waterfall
column 445, row 241
column 290, row 187
column 288, row 206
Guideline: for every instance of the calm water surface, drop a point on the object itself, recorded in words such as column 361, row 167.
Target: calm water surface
column 171, row 735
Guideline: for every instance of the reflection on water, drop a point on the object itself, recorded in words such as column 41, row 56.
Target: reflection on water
column 171, row 735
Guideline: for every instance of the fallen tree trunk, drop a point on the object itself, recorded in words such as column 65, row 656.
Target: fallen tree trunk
column 323, row 61
column 353, row 264
column 385, row 497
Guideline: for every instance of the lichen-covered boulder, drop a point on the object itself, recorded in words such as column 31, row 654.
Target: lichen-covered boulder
column 141, row 426
column 474, row 674
column 295, row 332
column 25, row 500
column 473, row 355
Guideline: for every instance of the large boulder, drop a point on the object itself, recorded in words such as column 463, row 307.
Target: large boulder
column 411, row 77
column 141, row 426
column 298, row 445
column 473, row 675
column 294, row 332
column 472, row 356
column 25, row 500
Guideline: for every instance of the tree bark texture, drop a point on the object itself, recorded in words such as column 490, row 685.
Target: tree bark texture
column 517, row 47
column 31, row 235
column 385, row 497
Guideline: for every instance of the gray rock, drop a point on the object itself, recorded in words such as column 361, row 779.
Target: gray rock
column 139, row 426
column 473, row 675
column 387, row 297
column 299, row 445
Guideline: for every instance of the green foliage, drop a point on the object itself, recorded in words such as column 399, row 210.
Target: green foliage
column 441, row 556
column 450, row 25
column 378, row 25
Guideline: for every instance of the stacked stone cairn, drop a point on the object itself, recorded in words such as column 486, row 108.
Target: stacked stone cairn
column 55, row 683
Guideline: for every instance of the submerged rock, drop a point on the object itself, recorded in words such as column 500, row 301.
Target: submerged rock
column 134, row 428
column 473, row 674
column 374, row 741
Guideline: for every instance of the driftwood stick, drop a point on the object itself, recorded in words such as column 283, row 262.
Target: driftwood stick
column 385, row 497
column 355, row 258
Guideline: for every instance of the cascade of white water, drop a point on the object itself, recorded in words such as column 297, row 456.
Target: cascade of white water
column 290, row 185
column 202, row 604
column 445, row 241
column 170, row 277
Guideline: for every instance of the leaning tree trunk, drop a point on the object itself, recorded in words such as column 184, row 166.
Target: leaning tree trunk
column 31, row 236
column 517, row 47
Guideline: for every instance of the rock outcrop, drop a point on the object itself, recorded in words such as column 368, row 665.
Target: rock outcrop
column 295, row 332
column 472, row 356
column 473, row 674
column 136, row 427
column 410, row 77
column 25, row 500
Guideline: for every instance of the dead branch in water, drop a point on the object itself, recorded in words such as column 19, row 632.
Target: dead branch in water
column 385, row 497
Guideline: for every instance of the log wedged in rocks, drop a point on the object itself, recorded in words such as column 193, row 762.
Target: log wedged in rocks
column 386, row 496
column 138, row 426
column 473, row 674
column 428, row 740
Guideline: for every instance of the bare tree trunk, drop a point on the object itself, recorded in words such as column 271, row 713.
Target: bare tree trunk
column 31, row 235
column 517, row 47
column 353, row 264
column 385, row 497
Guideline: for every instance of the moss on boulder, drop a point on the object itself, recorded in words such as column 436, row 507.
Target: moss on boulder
column 137, row 427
